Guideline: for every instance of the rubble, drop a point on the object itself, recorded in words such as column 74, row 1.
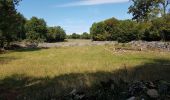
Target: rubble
column 138, row 90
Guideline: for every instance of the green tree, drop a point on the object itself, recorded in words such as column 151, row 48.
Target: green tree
column 164, row 4
column 36, row 30
column 9, row 21
column 85, row 35
column 111, row 28
column 56, row 34
column 75, row 36
column 143, row 10
column 166, row 28
column 98, row 32
column 20, row 29
column 127, row 31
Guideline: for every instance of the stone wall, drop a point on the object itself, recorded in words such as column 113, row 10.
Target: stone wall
column 165, row 46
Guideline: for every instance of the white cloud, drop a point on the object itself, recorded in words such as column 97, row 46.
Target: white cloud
column 91, row 2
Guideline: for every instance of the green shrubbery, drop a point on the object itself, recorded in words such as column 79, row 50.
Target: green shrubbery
column 146, row 25
column 11, row 23
column 55, row 34
column 37, row 31
column 85, row 35
column 128, row 30
column 14, row 26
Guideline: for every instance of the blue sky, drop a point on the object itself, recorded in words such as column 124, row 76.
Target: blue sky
column 74, row 15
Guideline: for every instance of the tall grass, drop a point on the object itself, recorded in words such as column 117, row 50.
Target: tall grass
column 58, row 61
column 44, row 74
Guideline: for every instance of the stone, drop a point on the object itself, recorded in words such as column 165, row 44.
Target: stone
column 73, row 92
column 132, row 98
column 152, row 93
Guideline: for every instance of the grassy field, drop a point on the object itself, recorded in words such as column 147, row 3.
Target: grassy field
column 42, row 73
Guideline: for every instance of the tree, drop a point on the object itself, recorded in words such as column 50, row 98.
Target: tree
column 111, row 28
column 9, row 19
column 166, row 28
column 98, row 32
column 20, row 29
column 85, row 35
column 55, row 34
column 127, row 31
column 36, row 30
column 164, row 4
column 143, row 10
column 75, row 36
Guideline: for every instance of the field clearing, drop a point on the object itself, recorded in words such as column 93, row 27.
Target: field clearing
column 57, row 61
column 64, row 68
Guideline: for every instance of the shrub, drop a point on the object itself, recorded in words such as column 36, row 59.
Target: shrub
column 55, row 34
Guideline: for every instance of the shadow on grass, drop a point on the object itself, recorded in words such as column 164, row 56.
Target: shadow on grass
column 5, row 60
column 22, row 87
column 28, row 49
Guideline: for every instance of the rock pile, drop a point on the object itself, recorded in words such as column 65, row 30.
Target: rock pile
column 165, row 46
column 139, row 90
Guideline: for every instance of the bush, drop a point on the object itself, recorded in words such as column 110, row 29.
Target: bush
column 128, row 30
column 36, row 30
column 98, row 31
column 55, row 34
column 85, row 35
column 74, row 36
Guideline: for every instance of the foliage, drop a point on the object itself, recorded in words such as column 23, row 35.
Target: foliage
column 74, row 36
column 143, row 10
column 98, row 31
column 127, row 30
column 55, row 34
column 85, row 35
column 11, row 22
column 36, row 30
column 113, row 29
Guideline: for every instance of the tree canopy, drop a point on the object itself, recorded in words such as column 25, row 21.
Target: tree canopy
column 11, row 22
column 55, row 34
column 36, row 29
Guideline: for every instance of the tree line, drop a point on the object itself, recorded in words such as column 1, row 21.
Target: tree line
column 84, row 35
column 15, row 27
column 150, row 22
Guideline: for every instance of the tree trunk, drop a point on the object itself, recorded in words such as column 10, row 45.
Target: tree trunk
column 2, row 44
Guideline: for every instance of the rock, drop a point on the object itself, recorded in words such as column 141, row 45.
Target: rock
column 152, row 93
column 132, row 98
column 79, row 97
column 112, row 86
column 73, row 92
column 137, row 88
column 150, row 85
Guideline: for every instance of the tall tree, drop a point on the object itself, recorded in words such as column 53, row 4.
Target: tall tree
column 164, row 4
column 36, row 30
column 56, row 34
column 85, row 35
column 142, row 10
column 8, row 21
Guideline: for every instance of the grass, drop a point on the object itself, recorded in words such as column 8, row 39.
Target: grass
column 33, row 72
column 58, row 61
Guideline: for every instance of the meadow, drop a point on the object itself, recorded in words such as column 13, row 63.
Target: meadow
column 40, row 73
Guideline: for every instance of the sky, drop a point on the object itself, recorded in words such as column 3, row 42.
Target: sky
column 75, row 16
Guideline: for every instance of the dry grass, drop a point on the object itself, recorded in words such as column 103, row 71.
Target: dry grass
column 58, row 61
column 61, row 69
